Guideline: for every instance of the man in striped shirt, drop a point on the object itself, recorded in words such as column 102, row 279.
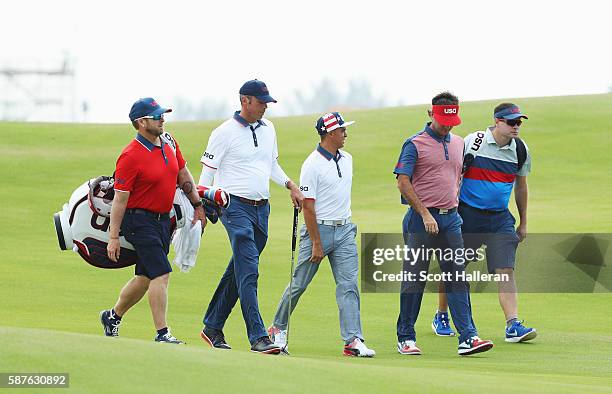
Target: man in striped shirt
column 496, row 161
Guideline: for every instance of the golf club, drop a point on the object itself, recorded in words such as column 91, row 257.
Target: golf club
column 293, row 243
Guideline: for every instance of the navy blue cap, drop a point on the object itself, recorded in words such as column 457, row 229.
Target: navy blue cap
column 146, row 107
column 257, row 89
column 512, row 112
column 330, row 122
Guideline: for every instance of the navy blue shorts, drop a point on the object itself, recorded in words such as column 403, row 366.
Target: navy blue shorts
column 151, row 239
column 495, row 230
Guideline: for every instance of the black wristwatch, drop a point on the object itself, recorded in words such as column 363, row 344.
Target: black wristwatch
column 196, row 204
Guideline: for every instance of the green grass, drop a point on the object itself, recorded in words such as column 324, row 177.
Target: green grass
column 51, row 299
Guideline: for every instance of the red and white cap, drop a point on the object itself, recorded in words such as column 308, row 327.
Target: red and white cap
column 446, row 115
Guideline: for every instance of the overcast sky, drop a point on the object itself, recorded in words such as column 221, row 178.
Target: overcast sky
column 408, row 51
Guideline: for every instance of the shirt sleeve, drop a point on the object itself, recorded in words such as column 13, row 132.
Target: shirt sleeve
column 207, row 176
column 126, row 171
column 275, row 148
column 217, row 146
column 407, row 159
column 308, row 182
column 277, row 174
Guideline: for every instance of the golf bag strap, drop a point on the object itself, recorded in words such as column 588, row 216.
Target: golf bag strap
column 472, row 151
column 521, row 152
column 167, row 138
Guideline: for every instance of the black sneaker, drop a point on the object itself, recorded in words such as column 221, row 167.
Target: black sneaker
column 266, row 346
column 109, row 323
column 214, row 338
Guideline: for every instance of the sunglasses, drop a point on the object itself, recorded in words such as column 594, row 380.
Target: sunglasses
column 154, row 117
column 513, row 122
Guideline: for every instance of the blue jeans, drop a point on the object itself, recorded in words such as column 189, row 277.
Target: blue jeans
column 247, row 229
column 458, row 292
column 338, row 243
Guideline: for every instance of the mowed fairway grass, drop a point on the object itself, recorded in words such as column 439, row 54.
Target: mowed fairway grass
column 50, row 299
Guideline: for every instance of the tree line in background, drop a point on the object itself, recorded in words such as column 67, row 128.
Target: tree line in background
column 324, row 96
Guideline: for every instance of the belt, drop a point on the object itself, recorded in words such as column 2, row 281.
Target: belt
column 334, row 222
column 442, row 211
column 154, row 215
column 255, row 203
column 483, row 211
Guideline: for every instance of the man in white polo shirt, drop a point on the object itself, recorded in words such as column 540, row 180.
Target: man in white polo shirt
column 242, row 156
column 326, row 180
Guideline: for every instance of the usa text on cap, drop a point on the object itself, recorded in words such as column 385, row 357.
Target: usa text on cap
column 330, row 122
column 257, row 89
column 146, row 107
column 446, row 115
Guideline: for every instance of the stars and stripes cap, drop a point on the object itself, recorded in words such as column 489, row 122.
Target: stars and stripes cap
column 330, row 122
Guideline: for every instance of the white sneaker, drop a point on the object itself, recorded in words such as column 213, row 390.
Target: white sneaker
column 408, row 347
column 358, row 349
column 278, row 336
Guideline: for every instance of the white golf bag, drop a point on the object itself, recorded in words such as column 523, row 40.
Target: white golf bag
column 82, row 224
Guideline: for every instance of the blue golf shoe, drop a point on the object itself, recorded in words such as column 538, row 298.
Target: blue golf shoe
column 517, row 332
column 441, row 325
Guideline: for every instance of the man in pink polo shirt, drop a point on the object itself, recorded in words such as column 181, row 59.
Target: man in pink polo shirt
column 428, row 175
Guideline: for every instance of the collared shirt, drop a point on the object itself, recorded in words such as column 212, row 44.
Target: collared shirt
column 488, row 182
column 327, row 179
column 434, row 166
column 243, row 156
column 149, row 172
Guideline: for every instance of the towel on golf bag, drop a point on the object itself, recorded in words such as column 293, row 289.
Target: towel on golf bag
column 186, row 240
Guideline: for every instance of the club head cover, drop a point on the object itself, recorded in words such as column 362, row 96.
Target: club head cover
column 212, row 211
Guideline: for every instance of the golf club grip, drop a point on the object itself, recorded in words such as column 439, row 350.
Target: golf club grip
column 295, row 224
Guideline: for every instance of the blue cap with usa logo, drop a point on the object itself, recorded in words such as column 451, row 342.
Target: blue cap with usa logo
column 511, row 112
column 257, row 89
column 330, row 122
column 146, row 107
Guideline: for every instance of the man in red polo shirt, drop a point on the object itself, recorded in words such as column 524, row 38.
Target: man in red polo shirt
column 147, row 173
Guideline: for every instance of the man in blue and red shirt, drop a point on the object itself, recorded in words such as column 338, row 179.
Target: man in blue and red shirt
column 147, row 173
column 496, row 161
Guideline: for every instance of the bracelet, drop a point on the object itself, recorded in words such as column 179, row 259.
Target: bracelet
column 196, row 204
column 114, row 237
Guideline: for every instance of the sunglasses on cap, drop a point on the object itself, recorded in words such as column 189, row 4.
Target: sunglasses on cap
column 154, row 117
column 512, row 122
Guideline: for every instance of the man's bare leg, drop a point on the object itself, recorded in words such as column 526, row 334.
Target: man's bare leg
column 132, row 292
column 158, row 300
column 508, row 299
